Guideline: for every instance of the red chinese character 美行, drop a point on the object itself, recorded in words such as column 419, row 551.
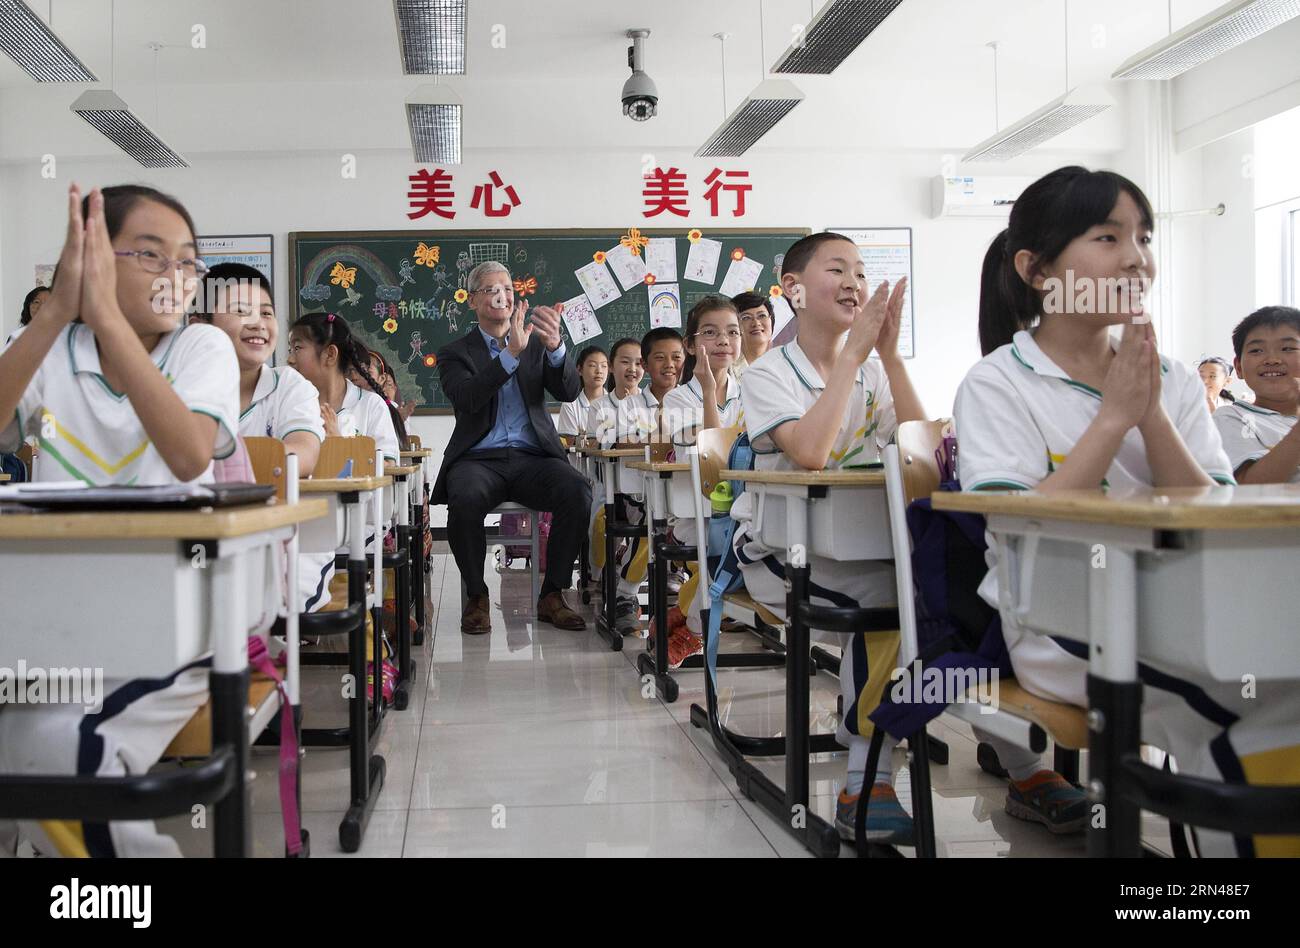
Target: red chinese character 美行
column 665, row 191
column 430, row 194
column 716, row 185
column 483, row 192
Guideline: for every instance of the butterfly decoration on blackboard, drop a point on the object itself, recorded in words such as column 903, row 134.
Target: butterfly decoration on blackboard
column 426, row 256
column 633, row 241
column 343, row 276
column 526, row 287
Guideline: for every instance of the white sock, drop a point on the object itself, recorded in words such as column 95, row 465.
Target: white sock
column 858, row 753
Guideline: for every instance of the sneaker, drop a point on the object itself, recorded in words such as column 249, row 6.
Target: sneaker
column 627, row 616
column 682, row 644
column 676, row 579
column 1050, row 799
column 887, row 821
column 389, row 672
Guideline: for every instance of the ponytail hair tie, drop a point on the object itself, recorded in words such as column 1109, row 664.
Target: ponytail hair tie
column 329, row 317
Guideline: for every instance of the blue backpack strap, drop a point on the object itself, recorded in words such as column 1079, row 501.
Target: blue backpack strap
column 726, row 576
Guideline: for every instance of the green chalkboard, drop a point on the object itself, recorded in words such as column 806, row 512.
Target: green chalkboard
column 398, row 289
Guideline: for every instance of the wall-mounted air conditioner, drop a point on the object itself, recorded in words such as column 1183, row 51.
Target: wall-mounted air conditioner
column 976, row 196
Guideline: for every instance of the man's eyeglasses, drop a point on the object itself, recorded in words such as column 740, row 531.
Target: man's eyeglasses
column 153, row 262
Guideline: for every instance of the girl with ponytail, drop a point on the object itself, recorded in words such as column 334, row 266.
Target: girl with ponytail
column 1072, row 394
column 324, row 350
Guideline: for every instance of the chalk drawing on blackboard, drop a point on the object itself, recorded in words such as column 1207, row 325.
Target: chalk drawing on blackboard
column 539, row 266
column 440, row 276
column 521, row 255
column 417, row 347
column 353, row 297
column 405, row 270
column 453, row 312
column 496, row 250
column 388, row 292
column 364, row 260
column 315, row 292
column 776, row 266
column 548, row 286
column 419, row 310
column 463, row 266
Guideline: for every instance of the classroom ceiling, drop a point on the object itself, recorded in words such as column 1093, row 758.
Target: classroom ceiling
column 285, row 75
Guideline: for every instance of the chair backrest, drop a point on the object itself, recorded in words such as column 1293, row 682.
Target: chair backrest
column 336, row 452
column 27, row 455
column 715, row 448
column 415, row 442
column 267, row 455
column 918, row 443
column 659, row 450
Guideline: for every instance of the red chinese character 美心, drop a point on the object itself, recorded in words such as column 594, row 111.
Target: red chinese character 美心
column 483, row 192
column 430, row 194
column 665, row 191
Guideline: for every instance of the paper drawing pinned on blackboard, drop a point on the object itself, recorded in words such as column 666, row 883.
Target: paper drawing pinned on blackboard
column 597, row 284
column 742, row 276
column 661, row 259
column 315, row 292
column 404, row 271
column 702, row 261
column 665, row 305
column 580, row 319
column 627, row 266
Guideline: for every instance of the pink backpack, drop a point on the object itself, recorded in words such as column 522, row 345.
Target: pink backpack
column 517, row 525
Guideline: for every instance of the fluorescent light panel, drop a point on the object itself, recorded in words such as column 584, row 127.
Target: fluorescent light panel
column 110, row 116
column 833, row 35
column 771, row 101
column 435, row 132
column 1210, row 36
column 33, row 46
column 1073, row 108
column 432, row 36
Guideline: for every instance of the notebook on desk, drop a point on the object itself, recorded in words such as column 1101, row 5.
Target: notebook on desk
column 81, row 497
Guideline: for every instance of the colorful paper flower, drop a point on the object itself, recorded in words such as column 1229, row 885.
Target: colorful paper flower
column 633, row 241
column 775, row 290
column 426, row 256
column 461, row 296
column 738, row 253
column 390, row 325
column 598, row 256
column 430, row 361
column 649, row 279
column 694, row 235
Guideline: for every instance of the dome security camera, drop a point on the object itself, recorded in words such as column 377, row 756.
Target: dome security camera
column 640, row 97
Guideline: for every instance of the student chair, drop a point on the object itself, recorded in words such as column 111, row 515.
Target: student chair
column 494, row 536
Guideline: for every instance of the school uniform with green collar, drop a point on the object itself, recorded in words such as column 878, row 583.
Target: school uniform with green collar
column 572, row 420
column 1018, row 416
column 613, row 420
column 781, row 387
column 1250, row 432
column 89, row 432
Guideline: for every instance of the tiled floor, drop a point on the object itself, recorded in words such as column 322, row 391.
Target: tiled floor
column 536, row 742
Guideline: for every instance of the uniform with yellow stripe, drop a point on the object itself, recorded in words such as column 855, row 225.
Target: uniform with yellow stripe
column 780, row 387
column 90, row 433
column 1018, row 416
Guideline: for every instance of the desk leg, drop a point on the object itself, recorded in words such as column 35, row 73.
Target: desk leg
column 797, row 657
column 605, row 622
column 1114, row 704
column 228, row 684
column 402, row 580
column 367, row 771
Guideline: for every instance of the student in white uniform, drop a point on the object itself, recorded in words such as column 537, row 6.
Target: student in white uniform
column 822, row 403
column 626, row 414
column 1263, row 440
column 119, row 391
column 1058, row 404
column 710, row 398
column 324, row 351
column 274, row 402
column 593, row 366
column 1215, row 374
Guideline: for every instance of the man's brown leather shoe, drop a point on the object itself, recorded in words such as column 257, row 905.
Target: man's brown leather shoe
column 553, row 609
column 477, row 617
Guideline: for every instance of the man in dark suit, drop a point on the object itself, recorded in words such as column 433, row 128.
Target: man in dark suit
column 505, row 447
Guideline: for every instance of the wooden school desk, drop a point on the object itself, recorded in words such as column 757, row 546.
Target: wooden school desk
column 669, row 492
column 346, row 498
column 1177, row 576
column 839, row 515
column 138, row 595
column 611, row 463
